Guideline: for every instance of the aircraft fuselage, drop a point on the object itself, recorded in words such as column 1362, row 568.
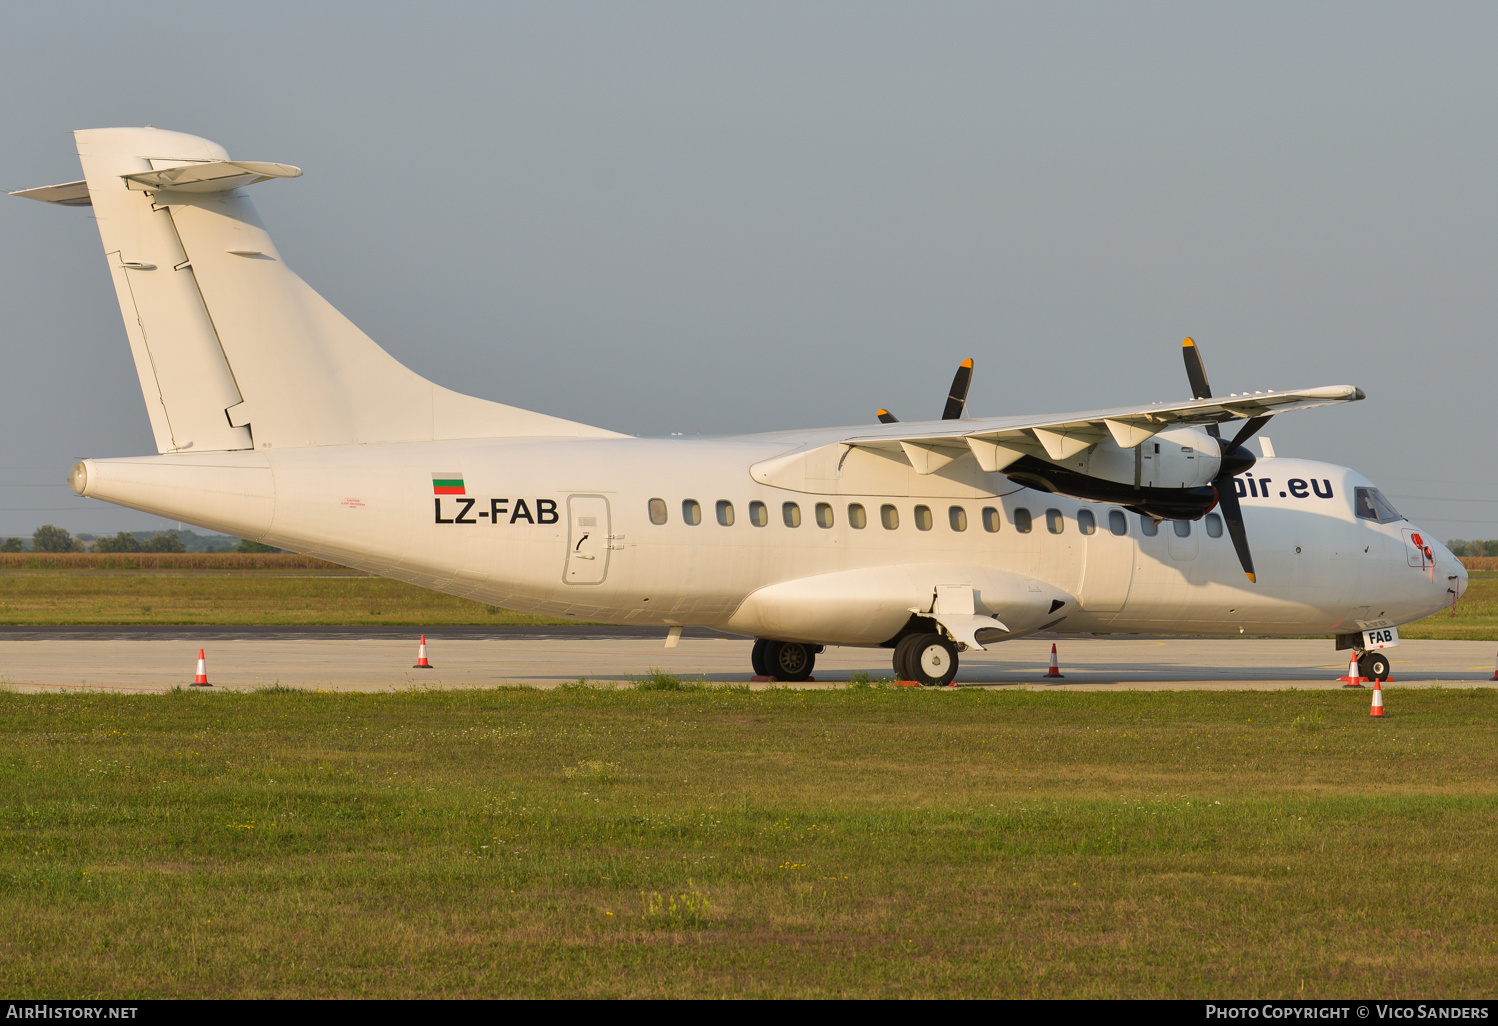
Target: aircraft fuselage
column 565, row 528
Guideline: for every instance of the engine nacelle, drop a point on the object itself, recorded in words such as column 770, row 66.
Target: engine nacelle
column 1169, row 476
column 1183, row 457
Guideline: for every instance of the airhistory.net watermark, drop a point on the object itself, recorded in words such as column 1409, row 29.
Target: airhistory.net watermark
column 68, row 1010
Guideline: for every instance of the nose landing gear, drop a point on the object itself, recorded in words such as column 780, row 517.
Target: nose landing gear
column 1374, row 666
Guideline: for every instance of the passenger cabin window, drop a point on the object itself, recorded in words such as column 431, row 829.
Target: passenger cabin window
column 824, row 515
column 725, row 512
column 758, row 515
column 1086, row 521
column 1370, row 504
column 1022, row 520
column 1149, row 525
column 857, row 518
column 991, row 519
column 1182, row 528
column 1117, row 522
column 657, row 511
column 791, row 514
column 957, row 517
column 922, row 518
column 1214, row 525
column 1053, row 521
column 889, row 517
column 691, row 512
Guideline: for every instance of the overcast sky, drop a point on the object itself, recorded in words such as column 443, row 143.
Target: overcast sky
column 712, row 218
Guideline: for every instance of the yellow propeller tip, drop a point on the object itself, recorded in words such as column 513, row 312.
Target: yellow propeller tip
column 1251, row 577
column 881, row 413
column 968, row 363
column 1187, row 342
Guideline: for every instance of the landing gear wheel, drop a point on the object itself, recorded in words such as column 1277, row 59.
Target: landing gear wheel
column 934, row 660
column 1374, row 666
column 757, row 658
column 903, row 668
column 789, row 660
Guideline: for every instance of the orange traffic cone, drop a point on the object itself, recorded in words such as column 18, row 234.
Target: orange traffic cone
column 201, row 680
column 1378, row 700
column 1354, row 679
column 1055, row 670
column 1495, row 670
column 421, row 655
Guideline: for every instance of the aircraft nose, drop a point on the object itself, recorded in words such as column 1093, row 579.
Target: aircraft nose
column 1450, row 573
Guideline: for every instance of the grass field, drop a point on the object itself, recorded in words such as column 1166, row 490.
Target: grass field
column 167, row 594
column 264, row 597
column 720, row 842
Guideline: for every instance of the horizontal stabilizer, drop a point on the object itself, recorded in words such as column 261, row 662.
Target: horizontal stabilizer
column 212, row 175
column 68, row 194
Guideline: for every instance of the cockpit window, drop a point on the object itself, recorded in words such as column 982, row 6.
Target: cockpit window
column 1370, row 504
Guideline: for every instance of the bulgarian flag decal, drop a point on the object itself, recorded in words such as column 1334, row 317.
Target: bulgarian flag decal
column 448, row 484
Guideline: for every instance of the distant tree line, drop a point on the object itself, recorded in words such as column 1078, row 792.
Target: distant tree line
column 1462, row 547
column 51, row 538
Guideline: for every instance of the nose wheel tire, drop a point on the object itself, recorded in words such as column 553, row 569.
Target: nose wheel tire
column 1374, row 666
column 928, row 659
column 789, row 660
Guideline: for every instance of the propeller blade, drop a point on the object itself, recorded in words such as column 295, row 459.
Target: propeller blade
column 885, row 417
column 957, row 398
column 1232, row 514
column 1196, row 373
column 1253, row 427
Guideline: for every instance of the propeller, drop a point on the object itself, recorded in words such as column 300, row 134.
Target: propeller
column 956, row 396
column 1235, row 459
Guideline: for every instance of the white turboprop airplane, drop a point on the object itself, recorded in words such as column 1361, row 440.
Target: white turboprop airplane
column 277, row 419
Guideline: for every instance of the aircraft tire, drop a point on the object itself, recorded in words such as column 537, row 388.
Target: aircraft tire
column 933, row 660
column 757, row 658
column 1374, row 666
column 903, row 668
column 789, row 661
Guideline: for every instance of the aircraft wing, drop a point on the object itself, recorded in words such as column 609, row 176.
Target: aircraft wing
column 997, row 442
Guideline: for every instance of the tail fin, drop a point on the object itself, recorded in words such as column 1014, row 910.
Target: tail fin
column 234, row 351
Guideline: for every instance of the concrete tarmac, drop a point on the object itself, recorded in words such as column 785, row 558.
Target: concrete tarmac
column 346, row 661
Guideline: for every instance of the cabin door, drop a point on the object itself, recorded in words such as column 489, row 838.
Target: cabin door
column 587, row 539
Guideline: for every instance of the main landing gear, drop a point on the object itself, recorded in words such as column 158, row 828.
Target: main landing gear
column 788, row 661
column 928, row 659
column 1373, row 665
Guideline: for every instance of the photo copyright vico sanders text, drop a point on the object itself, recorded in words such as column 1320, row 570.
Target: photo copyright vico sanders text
column 1357, row 1011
